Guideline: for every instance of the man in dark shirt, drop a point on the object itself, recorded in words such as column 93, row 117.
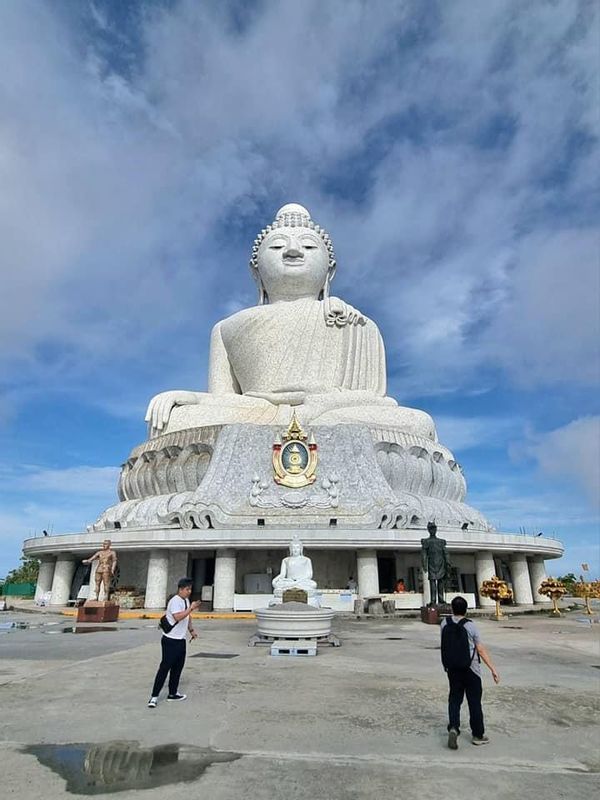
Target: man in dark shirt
column 467, row 681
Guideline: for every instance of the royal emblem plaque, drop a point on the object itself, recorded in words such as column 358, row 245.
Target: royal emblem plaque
column 295, row 457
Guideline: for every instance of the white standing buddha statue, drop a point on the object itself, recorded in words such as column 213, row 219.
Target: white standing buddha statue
column 299, row 349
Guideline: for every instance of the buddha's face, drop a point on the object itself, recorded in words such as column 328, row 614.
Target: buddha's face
column 292, row 263
column 295, row 549
column 106, row 544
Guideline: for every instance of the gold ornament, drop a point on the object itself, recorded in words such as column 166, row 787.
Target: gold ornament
column 553, row 589
column 295, row 457
column 587, row 589
column 496, row 589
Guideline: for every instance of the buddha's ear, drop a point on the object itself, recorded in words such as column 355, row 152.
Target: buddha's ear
column 326, row 286
column 263, row 298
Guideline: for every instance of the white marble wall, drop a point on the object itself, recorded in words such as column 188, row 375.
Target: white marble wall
column 257, row 561
column 332, row 569
column 133, row 568
column 178, row 568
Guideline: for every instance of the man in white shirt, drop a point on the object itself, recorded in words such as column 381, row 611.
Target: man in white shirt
column 178, row 614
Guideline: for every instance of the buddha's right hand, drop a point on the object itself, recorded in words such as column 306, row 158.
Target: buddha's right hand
column 160, row 407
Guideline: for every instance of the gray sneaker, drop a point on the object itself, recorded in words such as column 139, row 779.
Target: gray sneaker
column 480, row 739
column 453, row 739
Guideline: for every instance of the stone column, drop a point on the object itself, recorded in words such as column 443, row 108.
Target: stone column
column 484, row 570
column 45, row 576
column 368, row 572
column 62, row 579
column 537, row 574
column 519, row 572
column 156, row 582
column 224, row 584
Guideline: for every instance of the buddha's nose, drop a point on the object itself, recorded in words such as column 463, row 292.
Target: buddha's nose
column 292, row 252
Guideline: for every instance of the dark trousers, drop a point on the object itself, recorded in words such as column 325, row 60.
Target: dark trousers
column 461, row 682
column 173, row 659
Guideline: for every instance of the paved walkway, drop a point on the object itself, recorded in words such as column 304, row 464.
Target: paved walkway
column 366, row 720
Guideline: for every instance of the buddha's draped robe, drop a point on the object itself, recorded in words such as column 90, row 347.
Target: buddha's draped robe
column 271, row 348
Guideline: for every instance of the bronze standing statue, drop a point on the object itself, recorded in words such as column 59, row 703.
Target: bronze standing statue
column 434, row 558
column 107, row 565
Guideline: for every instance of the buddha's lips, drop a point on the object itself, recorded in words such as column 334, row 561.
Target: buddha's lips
column 293, row 262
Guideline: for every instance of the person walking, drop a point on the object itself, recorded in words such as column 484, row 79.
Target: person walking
column 462, row 653
column 179, row 610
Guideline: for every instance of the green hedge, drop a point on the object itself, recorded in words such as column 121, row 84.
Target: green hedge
column 18, row 589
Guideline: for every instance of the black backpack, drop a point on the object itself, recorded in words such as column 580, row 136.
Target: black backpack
column 456, row 652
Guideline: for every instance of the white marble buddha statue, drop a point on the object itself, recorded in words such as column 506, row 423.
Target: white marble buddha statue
column 296, row 572
column 299, row 349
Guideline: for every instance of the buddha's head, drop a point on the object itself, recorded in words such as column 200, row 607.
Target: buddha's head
column 106, row 544
column 292, row 258
column 431, row 528
column 296, row 547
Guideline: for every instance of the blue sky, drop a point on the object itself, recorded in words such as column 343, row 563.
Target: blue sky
column 451, row 150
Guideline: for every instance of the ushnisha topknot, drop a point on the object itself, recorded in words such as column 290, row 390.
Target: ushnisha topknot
column 293, row 215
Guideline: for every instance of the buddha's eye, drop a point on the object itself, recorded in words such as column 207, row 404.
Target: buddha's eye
column 309, row 246
column 276, row 246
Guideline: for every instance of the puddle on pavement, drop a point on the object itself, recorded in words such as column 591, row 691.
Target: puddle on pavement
column 88, row 629
column 117, row 766
column 215, row 655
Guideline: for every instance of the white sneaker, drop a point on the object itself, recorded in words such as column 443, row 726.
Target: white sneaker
column 152, row 703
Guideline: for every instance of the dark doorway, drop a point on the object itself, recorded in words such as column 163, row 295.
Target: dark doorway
column 387, row 573
column 203, row 574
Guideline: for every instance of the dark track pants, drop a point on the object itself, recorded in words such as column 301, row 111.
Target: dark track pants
column 173, row 659
column 461, row 682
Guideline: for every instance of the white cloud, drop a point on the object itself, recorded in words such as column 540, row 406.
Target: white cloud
column 466, row 433
column 548, row 330
column 571, row 452
column 116, row 182
column 79, row 481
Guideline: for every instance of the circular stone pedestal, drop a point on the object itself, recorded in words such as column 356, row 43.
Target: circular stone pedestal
column 294, row 621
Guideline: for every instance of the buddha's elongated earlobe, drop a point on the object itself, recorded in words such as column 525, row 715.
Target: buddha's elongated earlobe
column 326, row 286
column 263, row 298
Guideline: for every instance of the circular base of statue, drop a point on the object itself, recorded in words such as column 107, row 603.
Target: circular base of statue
column 294, row 621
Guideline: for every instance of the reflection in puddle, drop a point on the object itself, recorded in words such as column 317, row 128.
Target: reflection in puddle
column 86, row 629
column 11, row 625
column 116, row 766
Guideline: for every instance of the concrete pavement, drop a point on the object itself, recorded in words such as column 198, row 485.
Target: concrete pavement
column 366, row 720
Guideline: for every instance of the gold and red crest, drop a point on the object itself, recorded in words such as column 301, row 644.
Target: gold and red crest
column 295, row 457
